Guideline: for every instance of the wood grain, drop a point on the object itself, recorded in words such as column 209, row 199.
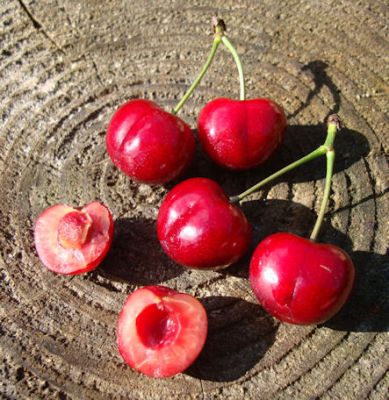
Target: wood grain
column 64, row 68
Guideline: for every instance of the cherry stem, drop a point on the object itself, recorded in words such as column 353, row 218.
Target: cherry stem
column 219, row 32
column 309, row 157
column 330, row 156
column 232, row 50
column 333, row 127
column 327, row 147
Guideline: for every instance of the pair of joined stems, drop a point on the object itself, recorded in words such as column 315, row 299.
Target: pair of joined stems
column 219, row 37
column 325, row 149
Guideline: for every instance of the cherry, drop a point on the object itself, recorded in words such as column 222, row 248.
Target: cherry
column 161, row 332
column 72, row 241
column 199, row 228
column 241, row 134
column 300, row 281
column 149, row 144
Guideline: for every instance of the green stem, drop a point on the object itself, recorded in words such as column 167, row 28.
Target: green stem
column 330, row 156
column 309, row 157
column 333, row 128
column 234, row 53
column 216, row 41
column 326, row 148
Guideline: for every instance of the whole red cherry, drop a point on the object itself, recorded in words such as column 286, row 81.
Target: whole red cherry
column 300, row 281
column 149, row 144
column 240, row 134
column 199, row 228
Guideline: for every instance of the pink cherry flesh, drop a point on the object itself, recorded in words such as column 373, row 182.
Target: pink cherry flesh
column 300, row 281
column 73, row 241
column 161, row 332
column 198, row 227
column 241, row 134
column 149, row 144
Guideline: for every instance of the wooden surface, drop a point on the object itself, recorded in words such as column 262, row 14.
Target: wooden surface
column 65, row 66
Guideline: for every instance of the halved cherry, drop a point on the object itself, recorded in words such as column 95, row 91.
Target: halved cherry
column 160, row 331
column 73, row 240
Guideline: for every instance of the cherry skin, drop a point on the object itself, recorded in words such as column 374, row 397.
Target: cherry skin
column 73, row 240
column 240, row 134
column 161, row 332
column 300, row 281
column 198, row 227
column 149, row 144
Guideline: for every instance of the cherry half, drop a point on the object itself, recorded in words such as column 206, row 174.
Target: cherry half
column 198, row 227
column 161, row 332
column 240, row 134
column 73, row 240
column 149, row 144
column 300, row 281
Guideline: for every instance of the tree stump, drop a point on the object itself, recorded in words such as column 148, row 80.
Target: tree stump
column 65, row 66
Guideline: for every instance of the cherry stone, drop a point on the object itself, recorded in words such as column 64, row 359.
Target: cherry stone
column 73, row 229
column 300, row 281
column 240, row 134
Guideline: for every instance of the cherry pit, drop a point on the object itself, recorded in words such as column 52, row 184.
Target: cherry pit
column 160, row 332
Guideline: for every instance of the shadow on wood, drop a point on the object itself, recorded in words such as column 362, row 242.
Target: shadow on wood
column 239, row 334
column 368, row 308
column 136, row 256
column 318, row 70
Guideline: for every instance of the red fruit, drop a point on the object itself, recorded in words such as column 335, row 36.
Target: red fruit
column 72, row 241
column 241, row 134
column 300, row 281
column 199, row 228
column 161, row 332
column 149, row 144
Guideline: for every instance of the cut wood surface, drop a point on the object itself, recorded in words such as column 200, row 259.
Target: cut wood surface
column 65, row 66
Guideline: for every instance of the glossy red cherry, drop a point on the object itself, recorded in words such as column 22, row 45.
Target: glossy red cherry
column 73, row 240
column 199, row 228
column 300, row 281
column 161, row 332
column 241, row 134
column 149, row 144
